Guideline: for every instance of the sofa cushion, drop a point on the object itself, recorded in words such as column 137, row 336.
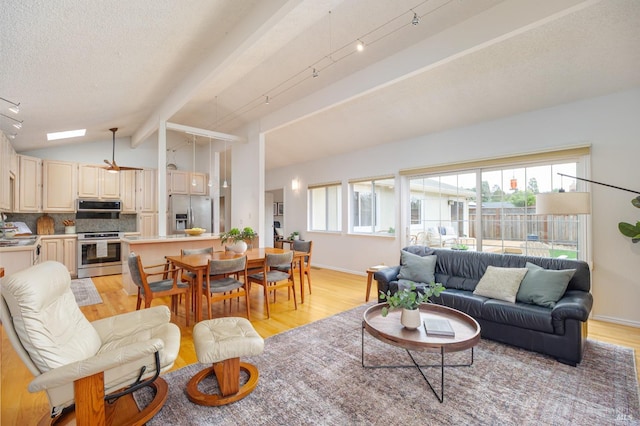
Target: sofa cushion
column 465, row 301
column 543, row 287
column 500, row 283
column 521, row 315
column 417, row 268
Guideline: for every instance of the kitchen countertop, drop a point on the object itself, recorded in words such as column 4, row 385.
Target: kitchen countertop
column 169, row 238
column 19, row 243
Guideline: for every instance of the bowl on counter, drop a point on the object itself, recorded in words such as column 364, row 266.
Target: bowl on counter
column 9, row 233
column 195, row 231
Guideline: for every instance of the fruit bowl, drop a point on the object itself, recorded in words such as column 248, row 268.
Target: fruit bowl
column 194, row 231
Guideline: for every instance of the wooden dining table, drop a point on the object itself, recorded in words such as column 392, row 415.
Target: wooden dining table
column 197, row 263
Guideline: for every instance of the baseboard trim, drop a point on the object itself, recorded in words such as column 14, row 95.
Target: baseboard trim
column 615, row 320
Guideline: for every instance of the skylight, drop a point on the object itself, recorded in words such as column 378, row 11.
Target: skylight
column 66, row 135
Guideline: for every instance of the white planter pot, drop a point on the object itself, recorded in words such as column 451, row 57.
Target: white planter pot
column 238, row 247
column 410, row 318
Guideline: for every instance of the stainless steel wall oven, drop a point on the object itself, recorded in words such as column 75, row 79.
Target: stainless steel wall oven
column 99, row 253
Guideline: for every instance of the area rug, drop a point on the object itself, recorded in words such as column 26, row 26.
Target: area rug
column 85, row 292
column 313, row 375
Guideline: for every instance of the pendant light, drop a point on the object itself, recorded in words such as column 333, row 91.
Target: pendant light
column 193, row 181
column 225, row 184
column 210, row 184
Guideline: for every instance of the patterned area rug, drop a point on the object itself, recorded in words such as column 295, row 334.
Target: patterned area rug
column 313, row 375
column 85, row 292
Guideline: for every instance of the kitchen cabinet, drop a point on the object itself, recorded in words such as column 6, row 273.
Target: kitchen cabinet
column 7, row 173
column 178, row 182
column 96, row 182
column 148, row 224
column 146, row 191
column 201, row 187
column 181, row 182
column 59, row 186
column 17, row 259
column 128, row 190
column 29, row 184
column 62, row 249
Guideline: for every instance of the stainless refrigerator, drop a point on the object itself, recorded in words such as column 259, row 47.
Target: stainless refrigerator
column 189, row 211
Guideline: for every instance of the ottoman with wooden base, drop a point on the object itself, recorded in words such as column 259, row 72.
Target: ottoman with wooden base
column 222, row 341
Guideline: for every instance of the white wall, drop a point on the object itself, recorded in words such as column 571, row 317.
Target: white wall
column 610, row 124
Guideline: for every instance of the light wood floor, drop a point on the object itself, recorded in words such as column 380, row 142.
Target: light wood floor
column 19, row 407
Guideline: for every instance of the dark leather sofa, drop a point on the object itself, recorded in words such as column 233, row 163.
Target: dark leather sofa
column 560, row 332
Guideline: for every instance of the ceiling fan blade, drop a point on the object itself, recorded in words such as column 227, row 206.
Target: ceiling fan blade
column 128, row 168
column 108, row 162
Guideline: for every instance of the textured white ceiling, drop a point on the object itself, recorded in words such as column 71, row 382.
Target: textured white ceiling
column 210, row 63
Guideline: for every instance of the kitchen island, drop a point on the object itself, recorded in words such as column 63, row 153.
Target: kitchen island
column 152, row 251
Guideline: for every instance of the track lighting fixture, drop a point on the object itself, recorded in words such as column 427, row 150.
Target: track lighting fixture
column 17, row 123
column 266, row 101
column 315, row 73
column 15, row 108
column 416, row 19
column 360, row 46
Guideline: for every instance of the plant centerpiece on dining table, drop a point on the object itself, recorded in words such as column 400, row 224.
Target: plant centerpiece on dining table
column 409, row 300
column 240, row 239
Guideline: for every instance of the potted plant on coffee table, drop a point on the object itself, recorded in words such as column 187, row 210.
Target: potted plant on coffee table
column 409, row 300
column 239, row 239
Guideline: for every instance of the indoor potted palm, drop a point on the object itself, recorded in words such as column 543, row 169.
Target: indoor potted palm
column 409, row 300
column 239, row 239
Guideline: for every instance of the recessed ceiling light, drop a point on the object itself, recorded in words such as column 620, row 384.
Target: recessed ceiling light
column 66, row 135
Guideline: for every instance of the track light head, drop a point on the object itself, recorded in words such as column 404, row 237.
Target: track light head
column 415, row 20
column 266, row 101
column 360, row 46
column 16, row 123
column 14, row 108
column 314, row 74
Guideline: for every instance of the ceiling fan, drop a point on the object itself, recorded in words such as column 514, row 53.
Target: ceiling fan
column 113, row 167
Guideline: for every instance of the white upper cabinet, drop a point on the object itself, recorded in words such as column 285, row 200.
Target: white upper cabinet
column 59, row 186
column 29, row 185
column 96, row 182
column 128, row 190
column 181, row 182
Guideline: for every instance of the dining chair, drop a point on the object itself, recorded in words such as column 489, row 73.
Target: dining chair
column 221, row 282
column 168, row 285
column 272, row 279
column 189, row 276
column 304, row 263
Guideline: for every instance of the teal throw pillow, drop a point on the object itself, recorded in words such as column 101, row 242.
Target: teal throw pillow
column 420, row 269
column 543, row 287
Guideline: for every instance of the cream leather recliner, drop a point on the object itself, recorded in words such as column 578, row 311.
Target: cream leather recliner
column 63, row 349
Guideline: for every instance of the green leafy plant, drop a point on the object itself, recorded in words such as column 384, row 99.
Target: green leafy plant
column 460, row 247
column 293, row 235
column 410, row 298
column 629, row 230
column 235, row 235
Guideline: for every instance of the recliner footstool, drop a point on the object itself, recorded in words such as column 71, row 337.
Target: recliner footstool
column 222, row 341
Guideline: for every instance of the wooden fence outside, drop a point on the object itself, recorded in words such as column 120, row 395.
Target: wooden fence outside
column 522, row 224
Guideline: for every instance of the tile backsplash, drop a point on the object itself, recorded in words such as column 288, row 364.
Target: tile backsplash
column 126, row 222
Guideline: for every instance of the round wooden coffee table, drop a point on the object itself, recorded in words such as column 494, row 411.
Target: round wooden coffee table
column 389, row 330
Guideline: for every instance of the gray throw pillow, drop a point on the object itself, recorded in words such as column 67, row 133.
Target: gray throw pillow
column 500, row 283
column 544, row 287
column 416, row 268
